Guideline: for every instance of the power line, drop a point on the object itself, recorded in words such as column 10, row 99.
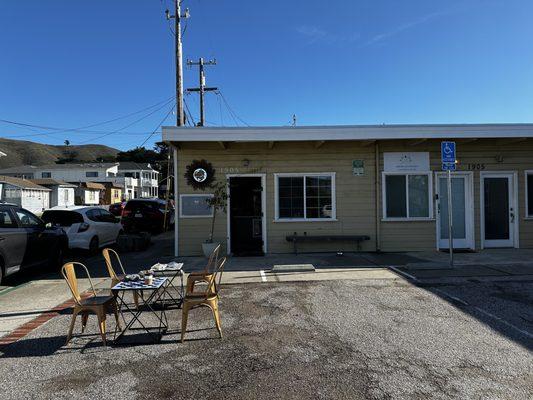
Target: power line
column 157, row 127
column 130, row 124
column 232, row 113
column 81, row 129
column 190, row 119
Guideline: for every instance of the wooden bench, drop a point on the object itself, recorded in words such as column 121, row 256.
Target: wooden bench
column 295, row 239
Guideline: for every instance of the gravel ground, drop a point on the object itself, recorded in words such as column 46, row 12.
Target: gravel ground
column 329, row 339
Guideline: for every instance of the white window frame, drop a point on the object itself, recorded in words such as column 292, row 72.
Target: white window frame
column 332, row 175
column 195, row 216
column 529, row 213
column 384, row 174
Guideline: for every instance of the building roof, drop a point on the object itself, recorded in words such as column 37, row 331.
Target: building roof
column 32, row 168
column 89, row 185
column 51, row 182
column 113, row 185
column 22, row 183
column 345, row 132
column 133, row 166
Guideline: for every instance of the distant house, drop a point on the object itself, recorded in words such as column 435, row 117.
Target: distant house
column 88, row 193
column 24, row 193
column 114, row 193
column 62, row 193
column 136, row 179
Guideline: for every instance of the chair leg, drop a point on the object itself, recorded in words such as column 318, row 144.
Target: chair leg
column 190, row 286
column 184, row 317
column 72, row 322
column 136, row 298
column 117, row 318
column 84, row 318
column 216, row 314
column 101, row 325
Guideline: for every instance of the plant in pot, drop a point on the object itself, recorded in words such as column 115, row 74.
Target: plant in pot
column 218, row 202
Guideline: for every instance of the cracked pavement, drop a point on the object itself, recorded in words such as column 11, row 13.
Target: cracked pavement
column 364, row 339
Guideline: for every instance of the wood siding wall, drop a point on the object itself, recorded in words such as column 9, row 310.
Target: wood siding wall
column 355, row 195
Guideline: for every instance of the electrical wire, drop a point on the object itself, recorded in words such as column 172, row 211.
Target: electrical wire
column 190, row 119
column 157, row 127
column 232, row 113
column 128, row 125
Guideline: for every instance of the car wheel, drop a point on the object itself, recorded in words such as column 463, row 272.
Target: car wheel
column 94, row 245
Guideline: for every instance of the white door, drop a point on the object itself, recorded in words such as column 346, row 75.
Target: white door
column 499, row 217
column 462, row 210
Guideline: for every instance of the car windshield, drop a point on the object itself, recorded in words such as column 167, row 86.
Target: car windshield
column 62, row 218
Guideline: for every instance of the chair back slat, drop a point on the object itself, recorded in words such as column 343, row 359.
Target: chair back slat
column 216, row 277
column 212, row 260
column 110, row 268
column 69, row 273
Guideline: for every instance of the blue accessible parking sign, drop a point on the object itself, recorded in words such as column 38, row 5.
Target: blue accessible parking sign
column 448, row 156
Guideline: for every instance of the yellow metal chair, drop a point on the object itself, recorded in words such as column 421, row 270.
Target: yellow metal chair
column 204, row 275
column 95, row 304
column 107, row 253
column 208, row 298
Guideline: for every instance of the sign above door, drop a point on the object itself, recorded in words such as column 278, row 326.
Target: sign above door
column 406, row 161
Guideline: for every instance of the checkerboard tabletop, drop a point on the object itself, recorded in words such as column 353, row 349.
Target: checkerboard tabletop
column 140, row 285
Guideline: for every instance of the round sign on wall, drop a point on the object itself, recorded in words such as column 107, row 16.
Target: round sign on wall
column 200, row 174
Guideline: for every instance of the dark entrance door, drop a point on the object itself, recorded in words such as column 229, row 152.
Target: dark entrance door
column 246, row 216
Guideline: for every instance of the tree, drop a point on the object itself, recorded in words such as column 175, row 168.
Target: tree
column 219, row 202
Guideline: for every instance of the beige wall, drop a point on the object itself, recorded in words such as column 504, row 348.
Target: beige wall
column 355, row 195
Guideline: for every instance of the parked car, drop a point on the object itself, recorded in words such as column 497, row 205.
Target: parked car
column 87, row 227
column 146, row 215
column 116, row 209
column 26, row 241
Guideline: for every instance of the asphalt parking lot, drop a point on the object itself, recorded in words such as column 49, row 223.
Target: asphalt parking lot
column 352, row 339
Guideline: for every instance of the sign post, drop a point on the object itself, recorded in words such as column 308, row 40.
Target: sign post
column 449, row 160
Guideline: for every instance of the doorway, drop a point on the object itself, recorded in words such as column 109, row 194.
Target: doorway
column 499, row 213
column 462, row 210
column 246, row 216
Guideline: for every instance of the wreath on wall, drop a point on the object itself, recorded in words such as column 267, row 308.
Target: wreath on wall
column 200, row 174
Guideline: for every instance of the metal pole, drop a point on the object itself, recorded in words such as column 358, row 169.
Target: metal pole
column 450, row 218
column 176, row 203
column 202, row 87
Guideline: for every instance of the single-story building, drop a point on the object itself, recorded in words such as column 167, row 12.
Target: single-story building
column 62, row 193
column 114, row 193
column 88, row 193
column 380, row 181
column 24, row 193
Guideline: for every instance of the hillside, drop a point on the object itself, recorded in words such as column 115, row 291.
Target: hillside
column 21, row 152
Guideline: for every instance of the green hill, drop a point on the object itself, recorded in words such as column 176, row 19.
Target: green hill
column 22, row 152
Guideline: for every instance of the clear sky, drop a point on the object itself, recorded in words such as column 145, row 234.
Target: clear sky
column 71, row 64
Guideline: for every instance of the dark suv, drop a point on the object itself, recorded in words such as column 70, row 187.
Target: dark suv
column 146, row 215
column 26, row 241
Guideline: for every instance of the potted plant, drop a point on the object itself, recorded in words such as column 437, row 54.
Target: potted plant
column 219, row 202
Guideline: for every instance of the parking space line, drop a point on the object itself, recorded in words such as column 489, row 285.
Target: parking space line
column 263, row 275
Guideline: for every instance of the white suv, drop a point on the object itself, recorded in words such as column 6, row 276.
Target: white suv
column 87, row 228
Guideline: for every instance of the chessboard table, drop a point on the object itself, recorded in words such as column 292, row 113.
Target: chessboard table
column 157, row 290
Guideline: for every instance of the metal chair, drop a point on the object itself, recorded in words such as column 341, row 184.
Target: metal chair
column 208, row 298
column 95, row 304
column 204, row 275
column 107, row 252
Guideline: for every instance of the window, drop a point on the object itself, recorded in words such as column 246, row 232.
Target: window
column 6, row 220
column 92, row 195
column 94, row 214
column 46, row 174
column 529, row 194
column 195, row 206
column 91, row 174
column 27, row 219
column 65, row 195
column 407, row 196
column 305, row 197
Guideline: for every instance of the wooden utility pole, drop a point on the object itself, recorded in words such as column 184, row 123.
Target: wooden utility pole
column 201, row 87
column 180, row 116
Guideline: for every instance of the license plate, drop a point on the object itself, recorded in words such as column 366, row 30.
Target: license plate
column 138, row 215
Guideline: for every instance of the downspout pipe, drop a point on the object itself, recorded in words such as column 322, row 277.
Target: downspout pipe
column 378, row 194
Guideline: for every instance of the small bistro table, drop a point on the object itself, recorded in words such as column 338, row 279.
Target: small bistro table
column 171, row 272
column 157, row 290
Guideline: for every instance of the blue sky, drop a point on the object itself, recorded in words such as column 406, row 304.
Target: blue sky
column 70, row 64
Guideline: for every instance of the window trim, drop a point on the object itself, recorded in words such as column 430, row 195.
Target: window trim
column 181, row 215
column 529, row 213
column 384, row 217
column 332, row 175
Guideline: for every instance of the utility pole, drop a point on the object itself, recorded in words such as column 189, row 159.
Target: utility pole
column 180, row 116
column 201, row 87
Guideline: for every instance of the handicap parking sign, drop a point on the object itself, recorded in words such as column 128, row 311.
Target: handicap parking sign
column 447, row 151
